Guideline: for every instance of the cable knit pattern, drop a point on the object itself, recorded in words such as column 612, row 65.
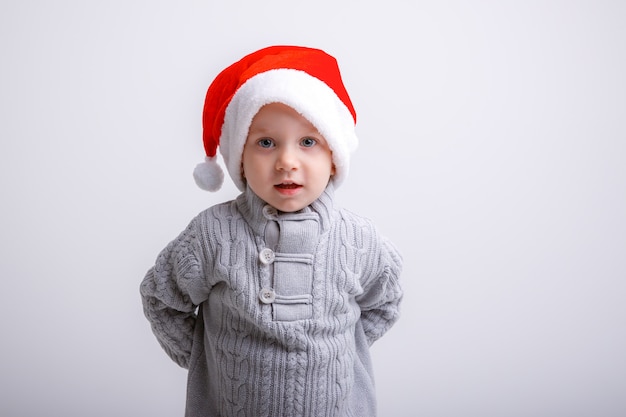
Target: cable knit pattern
column 288, row 306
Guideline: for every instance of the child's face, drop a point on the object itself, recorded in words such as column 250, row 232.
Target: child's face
column 286, row 161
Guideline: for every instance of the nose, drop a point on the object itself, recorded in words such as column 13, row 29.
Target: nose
column 287, row 160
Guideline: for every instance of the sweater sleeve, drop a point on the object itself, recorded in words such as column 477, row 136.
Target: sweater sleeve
column 171, row 292
column 380, row 300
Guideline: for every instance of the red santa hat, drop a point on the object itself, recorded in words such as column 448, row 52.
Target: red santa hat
column 306, row 79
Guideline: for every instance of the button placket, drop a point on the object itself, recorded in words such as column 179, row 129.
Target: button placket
column 267, row 256
column 267, row 295
column 269, row 212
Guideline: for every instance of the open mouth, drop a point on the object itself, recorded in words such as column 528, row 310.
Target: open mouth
column 289, row 186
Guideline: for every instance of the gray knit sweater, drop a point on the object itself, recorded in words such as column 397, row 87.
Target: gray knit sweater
column 273, row 313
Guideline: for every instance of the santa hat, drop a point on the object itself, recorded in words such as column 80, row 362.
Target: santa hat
column 308, row 80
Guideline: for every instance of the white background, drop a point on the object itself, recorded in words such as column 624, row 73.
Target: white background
column 493, row 153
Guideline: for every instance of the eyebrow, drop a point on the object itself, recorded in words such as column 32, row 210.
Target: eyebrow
column 269, row 131
column 258, row 129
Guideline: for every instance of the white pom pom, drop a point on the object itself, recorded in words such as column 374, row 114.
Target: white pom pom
column 209, row 175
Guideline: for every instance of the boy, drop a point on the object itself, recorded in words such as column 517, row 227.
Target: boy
column 273, row 299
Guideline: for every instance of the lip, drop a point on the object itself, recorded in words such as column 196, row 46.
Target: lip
column 288, row 188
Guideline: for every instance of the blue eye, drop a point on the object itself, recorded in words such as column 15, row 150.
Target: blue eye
column 308, row 142
column 265, row 143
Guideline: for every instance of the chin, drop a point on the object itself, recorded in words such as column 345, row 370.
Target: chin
column 290, row 207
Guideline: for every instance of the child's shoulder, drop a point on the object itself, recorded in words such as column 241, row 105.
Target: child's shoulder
column 350, row 216
column 217, row 212
column 355, row 221
column 225, row 208
column 362, row 230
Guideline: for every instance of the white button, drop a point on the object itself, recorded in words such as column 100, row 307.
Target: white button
column 267, row 295
column 266, row 256
column 269, row 212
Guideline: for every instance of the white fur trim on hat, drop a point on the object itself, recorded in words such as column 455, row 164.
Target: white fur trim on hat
column 309, row 96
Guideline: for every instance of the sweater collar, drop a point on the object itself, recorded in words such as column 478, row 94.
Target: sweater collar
column 257, row 212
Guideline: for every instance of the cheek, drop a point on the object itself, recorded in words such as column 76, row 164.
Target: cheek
column 246, row 164
column 330, row 163
column 250, row 167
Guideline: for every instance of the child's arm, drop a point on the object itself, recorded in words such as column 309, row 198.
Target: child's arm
column 382, row 294
column 171, row 291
